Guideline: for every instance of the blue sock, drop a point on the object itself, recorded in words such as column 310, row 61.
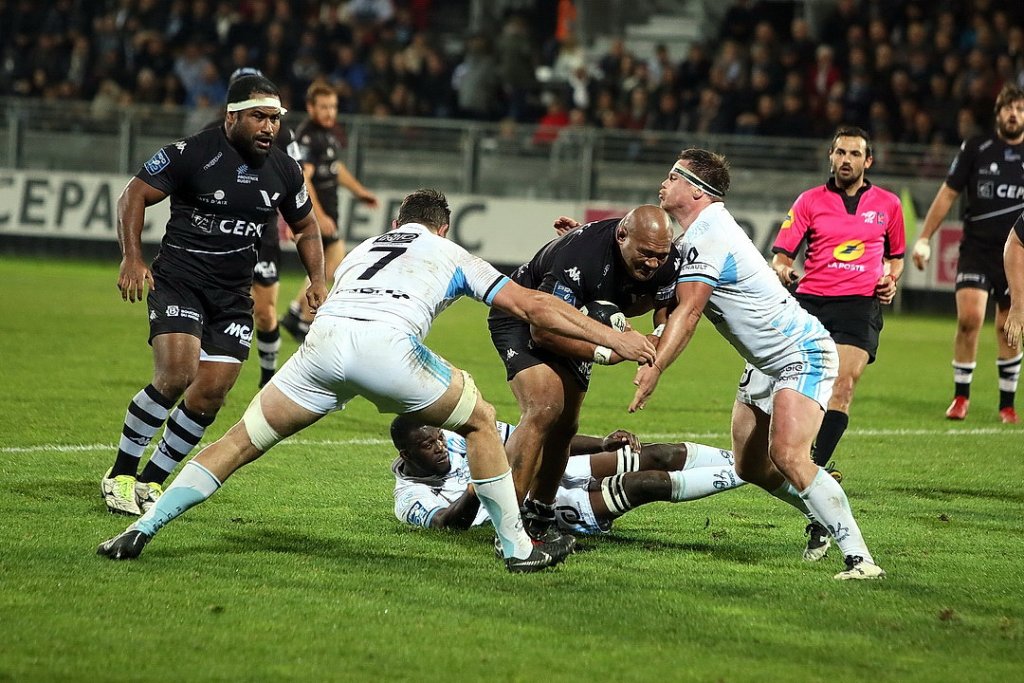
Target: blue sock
column 190, row 488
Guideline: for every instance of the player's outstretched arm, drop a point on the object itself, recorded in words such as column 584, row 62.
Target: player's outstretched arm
column 311, row 253
column 553, row 314
column 460, row 514
column 134, row 274
column 1013, row 262
column 692, row 297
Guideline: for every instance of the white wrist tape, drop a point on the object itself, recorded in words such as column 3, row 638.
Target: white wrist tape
column 602, row 355
column 659, row 330
column 923, row 249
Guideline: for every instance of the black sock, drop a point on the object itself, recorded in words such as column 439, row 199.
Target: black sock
column 183, row 432
column 268, row 344
column 832, row 428
column 146, row 413
column 963, row 374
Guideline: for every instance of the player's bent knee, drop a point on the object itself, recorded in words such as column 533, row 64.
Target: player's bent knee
column 467, row 403
column 261, row 434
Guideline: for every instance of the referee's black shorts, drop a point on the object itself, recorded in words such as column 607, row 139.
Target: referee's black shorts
column 851, row 320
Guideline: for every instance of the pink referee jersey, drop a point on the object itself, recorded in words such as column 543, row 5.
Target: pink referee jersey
column 846, row 240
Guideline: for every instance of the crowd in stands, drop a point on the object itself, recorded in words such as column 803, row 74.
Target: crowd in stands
column 913, row 71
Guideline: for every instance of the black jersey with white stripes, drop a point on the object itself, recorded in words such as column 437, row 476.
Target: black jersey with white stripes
column 989, row 172
column 220, row 206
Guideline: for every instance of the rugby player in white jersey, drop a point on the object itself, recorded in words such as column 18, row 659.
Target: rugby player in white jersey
column 605, row 478
column 791, row 359
column 367, row 340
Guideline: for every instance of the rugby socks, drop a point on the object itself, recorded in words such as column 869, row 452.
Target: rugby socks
column 183, row 432
column 268, row 344
column 833, row 425
column 701, row 482
column 963, row 374
column 627, row 460
column 1009, row 373
column 146, row 413
column 614, row 494
column 788, row 494
column 498, row 496
column 190, row 488
column 699, row 455
column 828, row 503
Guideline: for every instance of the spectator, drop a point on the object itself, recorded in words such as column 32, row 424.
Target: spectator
column 476, row 81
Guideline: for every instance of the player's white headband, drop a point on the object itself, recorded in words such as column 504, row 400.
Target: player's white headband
column 695, row 180
column 265, row 101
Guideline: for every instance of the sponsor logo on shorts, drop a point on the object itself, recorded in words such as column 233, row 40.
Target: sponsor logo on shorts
column 510, row 354
column 178, row 312
column 850, row 250
column 573, row 274
column 266, row 269
column 241, row 332
column 181, row 145
column 792, row 370
column 157, row 162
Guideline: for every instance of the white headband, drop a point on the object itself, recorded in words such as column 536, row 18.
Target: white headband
column 266, row 101
column 698, row 182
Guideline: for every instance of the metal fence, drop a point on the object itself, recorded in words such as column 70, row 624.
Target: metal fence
column 496, row 159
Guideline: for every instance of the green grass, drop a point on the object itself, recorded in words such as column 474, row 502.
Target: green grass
column 297, row 569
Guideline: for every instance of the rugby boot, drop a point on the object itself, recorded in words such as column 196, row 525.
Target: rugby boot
column 1008, row 416
column 857, row 568
column 957, row 410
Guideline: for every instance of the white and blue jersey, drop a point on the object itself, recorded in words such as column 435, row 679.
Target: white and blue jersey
column 752, row 310
column 406, row 277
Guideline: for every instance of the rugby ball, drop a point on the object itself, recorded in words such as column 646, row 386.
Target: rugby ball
column 606, row 312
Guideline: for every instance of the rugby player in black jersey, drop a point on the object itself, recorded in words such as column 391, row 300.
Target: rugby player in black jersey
column 226, row 186
column 266, row 276
column 321, row 152
column 630, row 262
column 990, row 169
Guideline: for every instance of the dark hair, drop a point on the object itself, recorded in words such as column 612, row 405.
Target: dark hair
column 425, row 206
column 318, row 89
column 401, row 428
column 243, row 71
column 851, row 132
column 244, row 87
column 712, row 168
column 1008, row 95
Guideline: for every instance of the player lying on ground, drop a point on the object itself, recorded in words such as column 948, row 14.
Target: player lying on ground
column 604, row 479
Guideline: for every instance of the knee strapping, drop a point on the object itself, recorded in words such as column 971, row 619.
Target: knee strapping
column 464, row 408
column 261, row 434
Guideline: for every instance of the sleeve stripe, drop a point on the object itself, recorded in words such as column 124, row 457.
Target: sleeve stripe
column 495, row 287
column 787, row 252
column 698, row 278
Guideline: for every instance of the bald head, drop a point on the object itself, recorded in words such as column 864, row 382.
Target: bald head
column 644, row 236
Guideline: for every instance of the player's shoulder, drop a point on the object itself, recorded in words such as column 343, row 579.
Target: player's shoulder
column 882, row 194
column 811, row 195
column 980, row 143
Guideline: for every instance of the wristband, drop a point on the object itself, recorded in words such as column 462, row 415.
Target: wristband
column 602, row 355
column 659, row 330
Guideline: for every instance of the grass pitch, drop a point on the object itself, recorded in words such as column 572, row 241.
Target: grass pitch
column 297, row 569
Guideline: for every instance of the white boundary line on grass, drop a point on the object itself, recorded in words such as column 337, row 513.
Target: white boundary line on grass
column 690, row 436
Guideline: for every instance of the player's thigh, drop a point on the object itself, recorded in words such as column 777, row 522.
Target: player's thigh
column 970, row 306
column 540, row 389
column 749, row 429
column 795, row 421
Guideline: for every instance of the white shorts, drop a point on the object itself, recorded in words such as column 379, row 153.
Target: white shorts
column 811, row 372
column 343, row 358
column 573, row 510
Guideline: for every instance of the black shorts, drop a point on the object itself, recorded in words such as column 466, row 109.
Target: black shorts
column 515, row 346
column 981, row 267
column 268, row 263
column 851, row 320
column 220, row 318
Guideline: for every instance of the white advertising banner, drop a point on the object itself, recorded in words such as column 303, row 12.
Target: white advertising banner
column 504, row 231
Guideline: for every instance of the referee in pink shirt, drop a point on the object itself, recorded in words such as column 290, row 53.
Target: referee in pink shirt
column 855, row 240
